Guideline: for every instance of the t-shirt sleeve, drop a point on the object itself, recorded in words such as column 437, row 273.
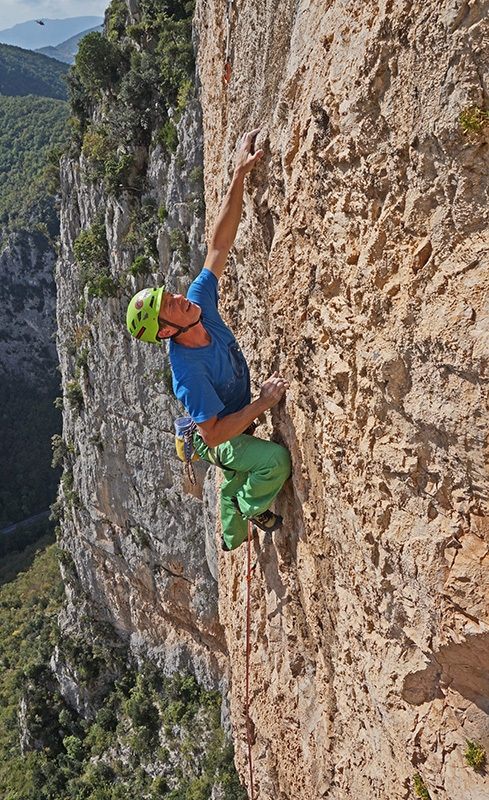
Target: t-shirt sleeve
column 204, row 292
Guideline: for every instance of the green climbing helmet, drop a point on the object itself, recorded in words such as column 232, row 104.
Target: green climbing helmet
column 142, row 314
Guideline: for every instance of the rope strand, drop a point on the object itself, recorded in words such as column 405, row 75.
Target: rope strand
column 251, row 568
column 248, row 649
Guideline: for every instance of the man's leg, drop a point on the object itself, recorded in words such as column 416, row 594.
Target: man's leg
column 234, row 526
column 267, row 467
column 257, row 470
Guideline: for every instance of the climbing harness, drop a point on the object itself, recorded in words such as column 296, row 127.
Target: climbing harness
column 187, row 452
column 252, row 531
column 227, row 58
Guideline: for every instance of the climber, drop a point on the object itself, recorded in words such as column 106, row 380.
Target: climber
column 211, row 377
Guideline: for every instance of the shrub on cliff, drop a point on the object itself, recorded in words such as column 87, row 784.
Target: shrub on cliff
column 136, row 73
column 118, row 749
column 97, row 62
column 92, row 256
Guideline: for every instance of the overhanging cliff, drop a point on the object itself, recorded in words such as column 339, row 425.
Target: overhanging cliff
column 360, row 272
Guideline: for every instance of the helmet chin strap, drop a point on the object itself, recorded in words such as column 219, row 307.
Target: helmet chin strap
column 179, row 329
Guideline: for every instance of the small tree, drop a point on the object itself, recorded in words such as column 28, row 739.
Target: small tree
column 96, row 61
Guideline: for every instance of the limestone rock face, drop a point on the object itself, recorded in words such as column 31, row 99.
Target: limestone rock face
column 132, row 523
column 28, row 301
column 361, row 273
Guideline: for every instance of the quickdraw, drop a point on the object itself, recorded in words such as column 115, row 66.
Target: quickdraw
column 227, row 58
column 188, row 449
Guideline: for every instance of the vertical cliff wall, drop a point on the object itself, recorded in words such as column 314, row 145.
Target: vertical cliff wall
column 28, row 297
column 132, row 523
column 360, row 271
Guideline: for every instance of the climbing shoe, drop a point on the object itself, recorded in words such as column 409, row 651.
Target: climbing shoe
column 267, row 521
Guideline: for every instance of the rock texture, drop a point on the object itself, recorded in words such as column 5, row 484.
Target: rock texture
column 28, row 298
column 132, row 522
column 360, row 271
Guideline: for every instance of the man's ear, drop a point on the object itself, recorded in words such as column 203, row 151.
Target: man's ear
column 164, row 333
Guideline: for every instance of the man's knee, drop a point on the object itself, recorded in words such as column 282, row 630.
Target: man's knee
column 283, row 461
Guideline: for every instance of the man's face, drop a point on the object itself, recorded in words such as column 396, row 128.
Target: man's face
column 175, row 312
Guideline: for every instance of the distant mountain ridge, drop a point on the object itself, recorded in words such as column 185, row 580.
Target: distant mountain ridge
column 32, row 36
column 66, row 51
column 23, row 72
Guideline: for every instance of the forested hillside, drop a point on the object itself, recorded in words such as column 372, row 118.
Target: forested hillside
column 33, row 130
column 131, row 733
column 23, row 72
column 33, row 117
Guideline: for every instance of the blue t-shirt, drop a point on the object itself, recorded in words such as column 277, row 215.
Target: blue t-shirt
column 214, row 379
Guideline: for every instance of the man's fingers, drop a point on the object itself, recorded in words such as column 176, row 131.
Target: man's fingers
column 253, row 134
column 249, row 138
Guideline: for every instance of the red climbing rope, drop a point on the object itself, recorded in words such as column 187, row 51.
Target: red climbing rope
column 248, row 648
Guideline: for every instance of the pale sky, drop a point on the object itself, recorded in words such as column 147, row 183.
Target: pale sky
column 15, row 11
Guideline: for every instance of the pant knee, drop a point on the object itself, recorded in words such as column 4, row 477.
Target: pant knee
column 284, row 462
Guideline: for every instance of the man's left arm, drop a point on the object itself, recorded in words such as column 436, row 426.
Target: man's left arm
column 229, row 216
column 215, row 431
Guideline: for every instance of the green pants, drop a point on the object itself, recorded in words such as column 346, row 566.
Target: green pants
column 254, row 472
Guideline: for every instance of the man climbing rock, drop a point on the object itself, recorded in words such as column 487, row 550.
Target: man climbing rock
column 211, row 377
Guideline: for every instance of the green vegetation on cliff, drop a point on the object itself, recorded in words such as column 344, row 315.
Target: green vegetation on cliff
column 136, row 733
column 133, row 77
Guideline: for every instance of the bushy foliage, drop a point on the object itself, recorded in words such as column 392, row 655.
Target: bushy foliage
column 136, row 73
column 92, row 257
column 143, row 236
column 31, row 128
column 151, row 737
column 97, row 61
column 473, row 119
column 24, row 72
column 74, row 395
column 419, row 787
column 475, row 755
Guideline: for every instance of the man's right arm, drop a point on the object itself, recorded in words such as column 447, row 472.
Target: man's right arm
column 229, row 217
